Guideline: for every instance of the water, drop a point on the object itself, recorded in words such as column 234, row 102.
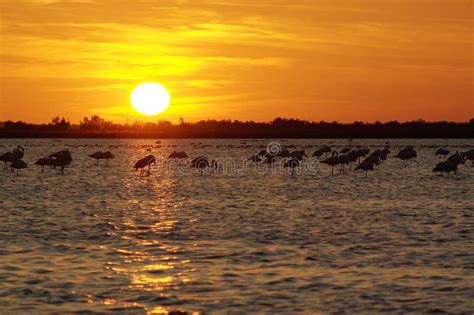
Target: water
column 100, row 238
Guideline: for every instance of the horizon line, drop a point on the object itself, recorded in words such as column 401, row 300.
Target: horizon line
column 179, row 122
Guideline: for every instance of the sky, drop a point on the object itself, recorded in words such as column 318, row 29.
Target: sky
column 333, row 60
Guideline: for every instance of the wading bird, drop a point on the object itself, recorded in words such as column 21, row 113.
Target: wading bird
column 333, row 161
column 442, row 152
column 107, row 155
column 292, row 163
column 43, row 161
column 61, row 159
column 145, row 162
column 18, row 165
column 323, row 150
column 9, row 157
column 366, row 165
column 446, row 167
column 202, row 162
column 468, row 155
column 406, row 154
column 178, row 155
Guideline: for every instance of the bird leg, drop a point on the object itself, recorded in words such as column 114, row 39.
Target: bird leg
column 148, row 173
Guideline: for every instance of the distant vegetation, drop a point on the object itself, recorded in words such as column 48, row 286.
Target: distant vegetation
column 97, row 127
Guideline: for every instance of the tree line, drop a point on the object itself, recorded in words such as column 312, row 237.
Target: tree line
column 97, row 127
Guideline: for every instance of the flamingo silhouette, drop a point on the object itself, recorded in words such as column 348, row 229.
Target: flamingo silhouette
column 406, row 154
column 43, row 161
column 144, row 162
column 178, row 155
column 107, row 155
column 202, row 162
column 348, row 147
column 456, row 159
column 323, row 150
column 18, row 165
column 9, row 157
column 333, row 161
column 442, row 152
column 446, row 167
column 292, row 163
column 469, row 155
column 61, row 158
column 298, row 154
column 262, row 152
column 343, row 161
column 366, row 165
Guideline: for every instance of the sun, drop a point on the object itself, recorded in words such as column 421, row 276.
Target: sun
column 150, row 98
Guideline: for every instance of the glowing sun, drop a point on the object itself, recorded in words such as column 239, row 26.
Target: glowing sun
column 150, row 98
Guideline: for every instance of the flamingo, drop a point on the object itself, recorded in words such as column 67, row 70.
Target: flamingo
column 61, row 158
column 386, row 151
column 333, row 161
column 18, row 165
column 468, row 155
column 456, row 159
column 374, row 158
column 9, row 157
column 407, row 154
column 5, row 158
column 347, row 148
column 292, row 163
column 442, row 152
column 323, row 150
column 43, row 161
column 142, row 163
column 178, row 155
column 366, row 165
column 353, row 156
column 202, row 162
column 269, row 159
column 262, row 152
column 284, row 153
column 446, row 167
column 298, row 154
column 343, row 160
column 107, row 155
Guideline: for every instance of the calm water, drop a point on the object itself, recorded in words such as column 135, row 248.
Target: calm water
column 100, row 238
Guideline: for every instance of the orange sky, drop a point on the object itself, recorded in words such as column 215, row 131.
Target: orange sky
column 339, row 60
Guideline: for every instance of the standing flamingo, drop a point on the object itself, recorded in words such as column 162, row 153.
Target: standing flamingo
column 9, row 157
column 323, row 150
column 43, row 161
column 446, row 167
column 202, row 162
column 292, row 163
column 366, row 165
column 442, row 152
column 61, row 158
column 333, row 161
column 142, row 163
column 18, row 165
column 407, row 154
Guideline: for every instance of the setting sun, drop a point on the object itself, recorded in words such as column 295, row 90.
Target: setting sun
column 150, row 98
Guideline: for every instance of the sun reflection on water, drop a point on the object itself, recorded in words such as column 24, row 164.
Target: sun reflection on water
column 150, row 262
